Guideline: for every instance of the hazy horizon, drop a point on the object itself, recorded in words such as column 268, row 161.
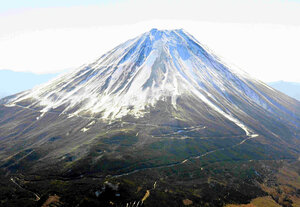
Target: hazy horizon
column 50, row 37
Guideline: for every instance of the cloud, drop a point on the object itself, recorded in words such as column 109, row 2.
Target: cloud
column 286, row 12
column 52, row 39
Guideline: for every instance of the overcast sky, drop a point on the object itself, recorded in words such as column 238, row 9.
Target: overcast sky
column 260, row 36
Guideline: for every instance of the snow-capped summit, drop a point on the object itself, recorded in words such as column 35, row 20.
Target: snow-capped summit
column 159, row 65
column 158, row 108
column 160, row 96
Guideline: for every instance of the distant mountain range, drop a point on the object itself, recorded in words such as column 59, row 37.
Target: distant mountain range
column 14, row 82
column 291, row 89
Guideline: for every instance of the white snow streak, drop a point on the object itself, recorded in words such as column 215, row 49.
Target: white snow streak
column 157, row 65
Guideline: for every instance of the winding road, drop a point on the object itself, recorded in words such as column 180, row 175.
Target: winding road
column 13, row 180
column 250, row 136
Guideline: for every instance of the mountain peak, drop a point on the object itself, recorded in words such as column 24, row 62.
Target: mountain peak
column 157, row 66
column 154, row 105
column 168, row 36
column 153, row 30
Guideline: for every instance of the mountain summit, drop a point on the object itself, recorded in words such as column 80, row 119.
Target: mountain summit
column 159, row 65
column 158, row 101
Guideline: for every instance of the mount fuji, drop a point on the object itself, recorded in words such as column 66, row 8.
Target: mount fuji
column 157, row 102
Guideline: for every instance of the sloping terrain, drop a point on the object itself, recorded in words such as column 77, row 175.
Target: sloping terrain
column 159, row 109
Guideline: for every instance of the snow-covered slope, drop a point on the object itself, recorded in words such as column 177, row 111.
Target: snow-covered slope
column 158, row 99
column 159, row 65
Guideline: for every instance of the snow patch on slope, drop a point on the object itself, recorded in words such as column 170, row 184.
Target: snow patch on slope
column 134, row 76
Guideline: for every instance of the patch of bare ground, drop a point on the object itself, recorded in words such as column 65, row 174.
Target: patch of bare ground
column 286, row 191
column 266, row 201
column 53, row 200
column 187, row 202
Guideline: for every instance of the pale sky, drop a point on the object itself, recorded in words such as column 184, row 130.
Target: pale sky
column 262, row 37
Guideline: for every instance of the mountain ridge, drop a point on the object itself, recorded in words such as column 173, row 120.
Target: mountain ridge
column 157, row 107
column 292, row 89
column 154, row 55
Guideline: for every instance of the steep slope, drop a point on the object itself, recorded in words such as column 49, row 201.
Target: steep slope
column 158, row 65
column 159, row 100
column 168, row 66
